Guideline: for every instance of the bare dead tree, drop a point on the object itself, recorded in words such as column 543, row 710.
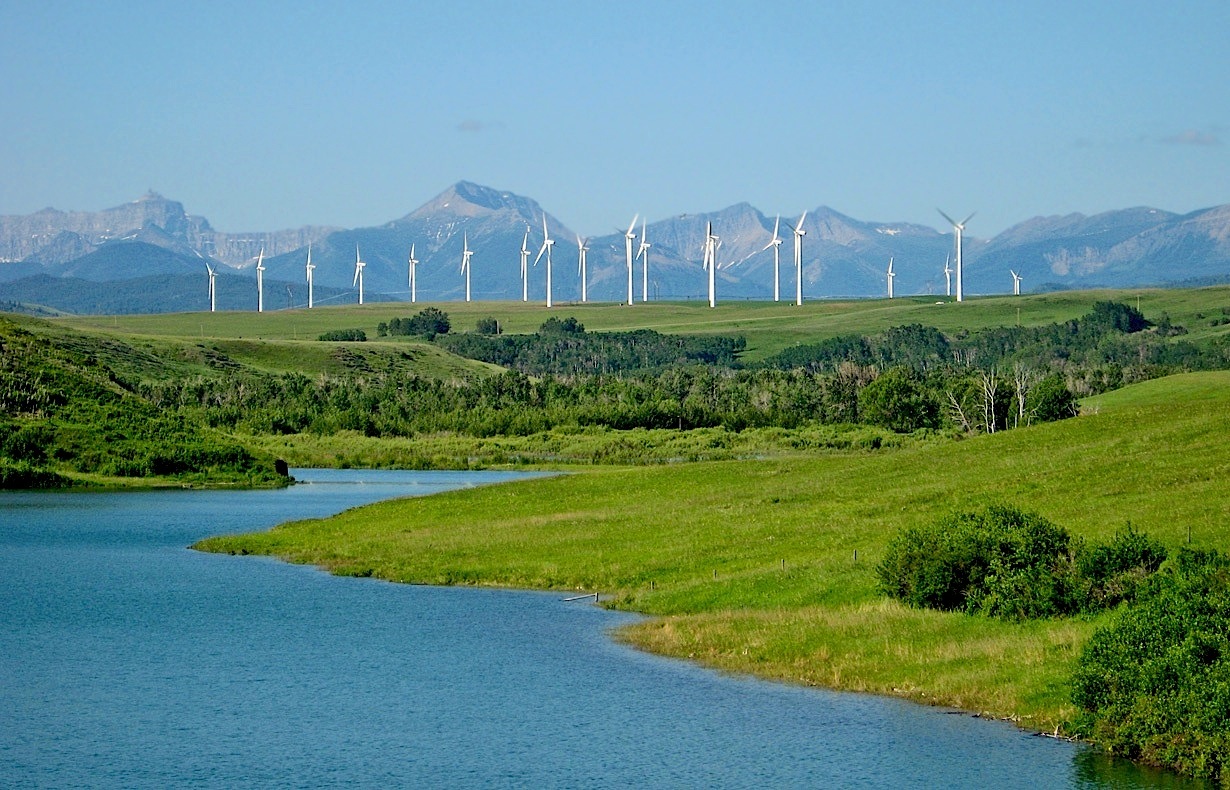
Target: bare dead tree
column 990, row 386
column 1023, row 380
column 957, row 412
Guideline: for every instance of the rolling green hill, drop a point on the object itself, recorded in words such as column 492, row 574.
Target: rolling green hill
column 768, row 327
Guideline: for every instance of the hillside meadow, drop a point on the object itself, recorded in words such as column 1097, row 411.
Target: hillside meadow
column 768, row 327
column 767, row 566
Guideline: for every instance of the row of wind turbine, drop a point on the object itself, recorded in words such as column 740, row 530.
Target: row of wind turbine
column 710, row 264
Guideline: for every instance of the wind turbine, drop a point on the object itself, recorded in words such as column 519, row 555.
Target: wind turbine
column 629, row 235
column 260, row 281
column 799, row 233
column 413, row 274
column 212, row 289
column 711, row 247
column 643, row 254
column 958, row 228
column 525, row 266
column 547, row 244
column 776, row 244
column 891, row 275
column 582, row 248
column 465, row 261
column 1016, row 283
column 358, row 272
column 311, row 267
column 947, row 276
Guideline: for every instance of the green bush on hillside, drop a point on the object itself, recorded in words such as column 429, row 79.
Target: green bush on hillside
column 344, row 335
column 1002, row 562
column 1155, row 684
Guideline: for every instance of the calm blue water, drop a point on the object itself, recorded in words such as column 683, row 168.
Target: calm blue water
column 127, row 660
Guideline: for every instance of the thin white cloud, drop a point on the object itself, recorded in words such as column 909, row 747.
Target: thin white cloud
column 1192, row 137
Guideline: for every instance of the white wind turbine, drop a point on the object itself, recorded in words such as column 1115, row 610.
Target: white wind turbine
column 582, row 248
column 212, row 288
column 358, row 272
column 799, row 233
column 776, row 244
column 711, row 248
column 311, row 267
column 547, row 244
column 1016, row 283
column 525, row 266
column 260, row 281
column 947, row 276
column 629, row 235
column 958, row 228
column 643, row 254
column 891, row 275
column 413, row 274
column 466, row 252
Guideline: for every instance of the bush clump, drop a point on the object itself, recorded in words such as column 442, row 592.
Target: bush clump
column 345, row 335
column 1003, row 562
column 1155, row 684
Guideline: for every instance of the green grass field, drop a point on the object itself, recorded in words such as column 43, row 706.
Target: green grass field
column 751, row 566
column 768, row 327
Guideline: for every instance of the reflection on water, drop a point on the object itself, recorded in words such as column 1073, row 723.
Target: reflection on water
column 127, row 660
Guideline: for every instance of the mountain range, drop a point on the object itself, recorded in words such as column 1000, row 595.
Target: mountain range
column 149, row 255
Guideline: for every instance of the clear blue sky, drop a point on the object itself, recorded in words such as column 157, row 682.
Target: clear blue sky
column 263, row 116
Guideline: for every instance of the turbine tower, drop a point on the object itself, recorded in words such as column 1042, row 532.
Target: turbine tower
column 711, row 247
column 776, row 244
column 799, row 233
column 311, row 267
column 959, row 229
column 260, row 281
column 212, row 289
column 358, row 272
column 947, row 276
column 1016, row 283
column 582, row 248
column 643, row 254
column 891, row 275
column 465, row 261
column 413, row 274
column 547, row 244
column 525, row 266
column 629, row 235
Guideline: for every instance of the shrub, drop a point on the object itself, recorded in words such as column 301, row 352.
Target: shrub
column 998, row 561
column 1155, row 684
column 345, row 335
column 1112, row 573
column 488, row 326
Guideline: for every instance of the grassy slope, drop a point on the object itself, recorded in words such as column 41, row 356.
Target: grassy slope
column 768, row 327
column 153, row 352
column 752, row 563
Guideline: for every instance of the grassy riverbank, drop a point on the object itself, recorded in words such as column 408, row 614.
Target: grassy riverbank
column 751, row 565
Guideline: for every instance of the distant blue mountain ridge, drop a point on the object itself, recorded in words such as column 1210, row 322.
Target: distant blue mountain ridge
column 124, row 253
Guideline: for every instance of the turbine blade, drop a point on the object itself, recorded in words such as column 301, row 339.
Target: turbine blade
column 967, row 219
column 541, row 250
column 629, row 232
column 951, row 221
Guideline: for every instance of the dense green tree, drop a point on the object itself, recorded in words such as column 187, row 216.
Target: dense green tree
column 1049, row 400
column 897, row 400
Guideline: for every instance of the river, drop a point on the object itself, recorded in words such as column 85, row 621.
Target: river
column 127, row 660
